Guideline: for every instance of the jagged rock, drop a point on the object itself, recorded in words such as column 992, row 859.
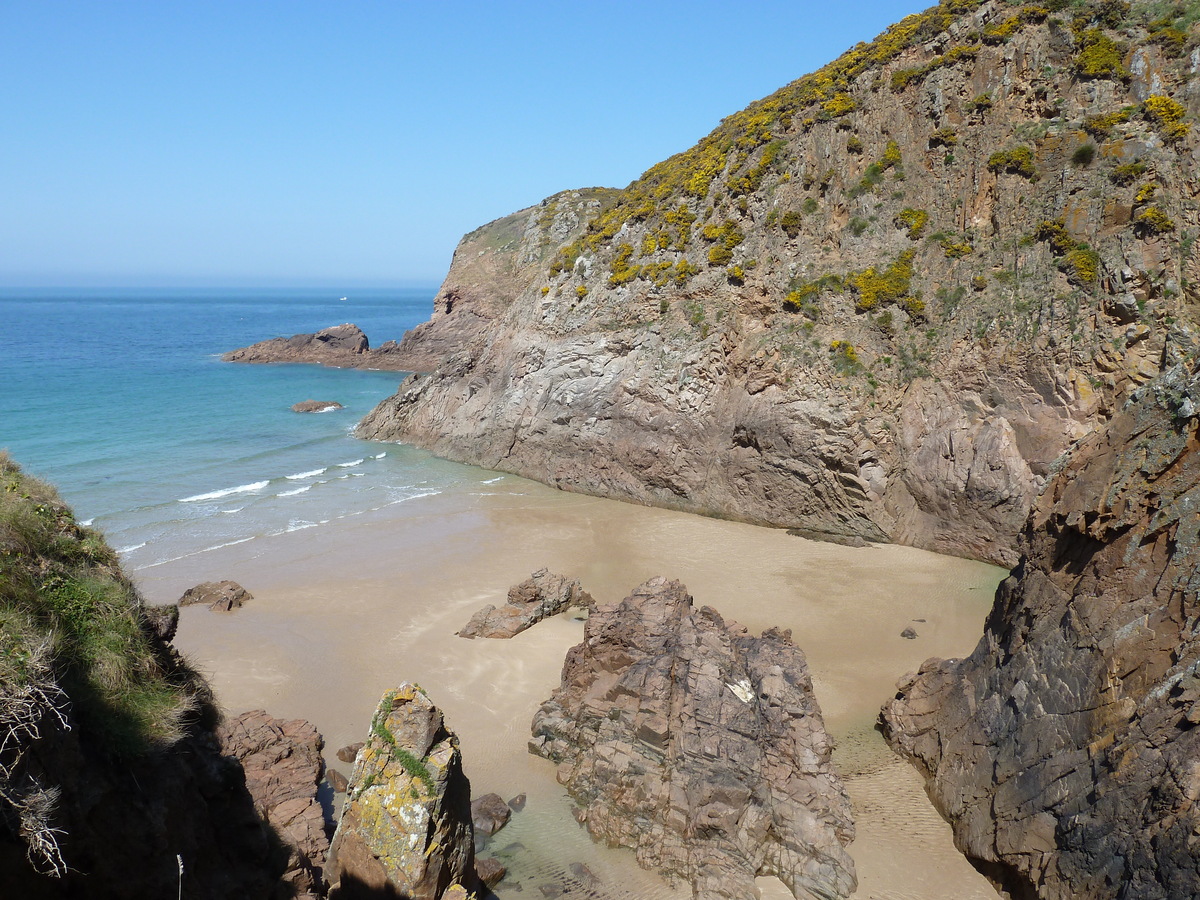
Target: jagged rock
column 222, row 596
column 856, row 324
column 406, row 822
column 316, row 406
column 283, row 766
column 490, row 870
column 342, row 346
column 489, row 813
column 541, row 595
column 350, row 752
column 701, row 747
column 1062, row 750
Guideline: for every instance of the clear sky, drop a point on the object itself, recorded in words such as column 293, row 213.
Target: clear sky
column 349, row 143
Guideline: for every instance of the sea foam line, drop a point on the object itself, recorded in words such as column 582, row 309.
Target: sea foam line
column 351, row 464
column 299, row 490
column 163, row 562
column 216, row 495
column 300, row 475
column 131, row 547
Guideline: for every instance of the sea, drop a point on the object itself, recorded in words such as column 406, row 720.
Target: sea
column 120, row 399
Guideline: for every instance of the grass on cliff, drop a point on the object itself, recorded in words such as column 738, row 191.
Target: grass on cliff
column 62, row 592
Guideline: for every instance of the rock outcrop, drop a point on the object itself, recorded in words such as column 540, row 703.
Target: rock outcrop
column 700, row 747
column 113, row 783
column 342, row 346
column 316, row 406
column 405, row 828
column 1064, row 750
column 221, row 596
column 281, row 761
column 539, row 596
column 877, row 304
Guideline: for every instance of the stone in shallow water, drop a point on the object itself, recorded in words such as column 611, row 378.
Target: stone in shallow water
column 699, row 746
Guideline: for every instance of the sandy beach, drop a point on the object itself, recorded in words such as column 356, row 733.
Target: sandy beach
column 343, row 612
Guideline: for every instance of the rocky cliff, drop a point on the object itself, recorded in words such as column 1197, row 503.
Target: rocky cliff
column 699, row 746
column 113, row 783
column 341, row 346
column 878, row 303
column 1064, row 750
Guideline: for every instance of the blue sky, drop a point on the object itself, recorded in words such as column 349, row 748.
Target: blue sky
column 352, row 143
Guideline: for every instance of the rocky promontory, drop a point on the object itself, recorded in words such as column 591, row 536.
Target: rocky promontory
column 1064, row 750
column 342, row 346
column 699, row 746
column 405, row 828
column 877, row 304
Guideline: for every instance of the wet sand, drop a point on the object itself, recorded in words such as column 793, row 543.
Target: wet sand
column 343, row 612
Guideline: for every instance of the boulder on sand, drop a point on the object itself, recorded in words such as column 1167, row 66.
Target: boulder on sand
column 222, row 596
column 541, row 595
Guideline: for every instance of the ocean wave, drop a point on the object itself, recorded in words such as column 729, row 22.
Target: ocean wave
column 300, row 475
column 236, row 509
column 163, row 562
column 87, row 522
column 299, row 490
column 493, row 480
column 351, row 464
column 131, row 547
column 411, row 497
column 299, row 526
column 379, row 455
column 216, row 495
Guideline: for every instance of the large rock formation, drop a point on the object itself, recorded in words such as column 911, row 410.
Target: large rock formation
column 405, row 828
column 112, row 781
column 282, row 763
column 220, row 596
column 1064, row 750
column 878, row 303
column 539, row 596
column 699, row 746
column 343, row 346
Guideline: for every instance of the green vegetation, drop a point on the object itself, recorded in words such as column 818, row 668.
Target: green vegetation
column 413, row 766
column 1127, row 173
column 727, row 235
column 876, row 288
column 914, row 220
column 902, row 78
column 1084, row 154
column 943, row 137
column 1079, row 261
column 1152, row 221
column 71, row 619
column 1017, row 161
column 1101, row 126
column 845, row 358
column 1166, row 115
column 952, row 245
column 980, row 103
column 791, row 222
column 1099, row 56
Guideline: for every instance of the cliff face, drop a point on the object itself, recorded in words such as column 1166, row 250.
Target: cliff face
column 113, row 783
column 879, row 303
column 1064, row 750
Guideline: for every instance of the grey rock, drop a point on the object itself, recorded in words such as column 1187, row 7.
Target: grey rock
column 541, row 595
column 221, row 596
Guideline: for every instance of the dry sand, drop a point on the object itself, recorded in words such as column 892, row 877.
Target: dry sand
column 346, row 611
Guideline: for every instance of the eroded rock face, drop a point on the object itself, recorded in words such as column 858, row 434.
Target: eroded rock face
column 721, row 339
column 700, row 747
column 1064, row 749
column 221, row 596
column 539, row 596
column 282, row 763
column 405, row 827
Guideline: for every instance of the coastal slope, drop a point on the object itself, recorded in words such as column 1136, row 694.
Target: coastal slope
column 1064, row 749
column 877, row 304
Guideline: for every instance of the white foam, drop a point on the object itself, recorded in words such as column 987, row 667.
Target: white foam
column 236, row 509
column 351, row 464
column 299, row 490
column 163, row 562
column 216, row 495
column 299, row 526
column 379, row 455
column 493, row 480
column 86, row 522
column 300, row 475
column 131, row 548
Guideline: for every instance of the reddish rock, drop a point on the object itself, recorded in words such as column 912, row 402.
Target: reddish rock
column 349, row 752
column 539, row 596
column 337, row 781
column 700, row 747
column 283, row 766
column 490, row 871
column 316, row 406
column 222, row 596
column 489, row 813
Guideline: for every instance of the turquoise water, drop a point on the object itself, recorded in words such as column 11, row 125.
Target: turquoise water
column 120, row 399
